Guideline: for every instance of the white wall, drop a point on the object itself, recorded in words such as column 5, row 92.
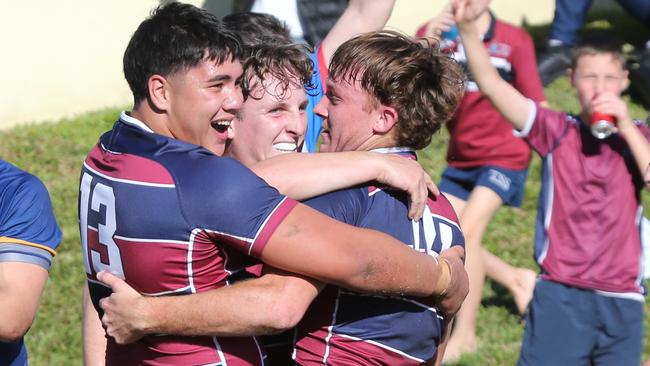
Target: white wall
column 62, row 58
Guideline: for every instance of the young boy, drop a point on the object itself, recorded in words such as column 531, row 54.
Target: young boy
column 587, row 307
column 487, row 165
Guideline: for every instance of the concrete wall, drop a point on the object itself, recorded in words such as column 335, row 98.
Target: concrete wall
column 408, row 15
column 63, row 58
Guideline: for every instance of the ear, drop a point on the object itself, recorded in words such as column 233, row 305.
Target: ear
column 159, row 92
column 387, row 119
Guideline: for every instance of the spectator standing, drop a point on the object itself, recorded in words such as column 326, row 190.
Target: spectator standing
column 487, row 164
column 588, row 305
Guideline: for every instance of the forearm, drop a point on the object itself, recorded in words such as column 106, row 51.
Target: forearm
column 265, row 305
column 639, row 145
column 506, row 99
column 354, row 258
column 360, row 16
column 94, row 338
column 303, row 176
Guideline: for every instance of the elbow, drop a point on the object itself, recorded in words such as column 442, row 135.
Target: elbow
column 285, row 319
column 12, row 332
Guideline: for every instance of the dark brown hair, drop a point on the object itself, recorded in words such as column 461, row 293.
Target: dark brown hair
column 409, row 75
column 288, row 63
column 174, row 37
column 596, row 44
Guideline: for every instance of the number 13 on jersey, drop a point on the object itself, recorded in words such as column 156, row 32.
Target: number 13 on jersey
column 97, row 228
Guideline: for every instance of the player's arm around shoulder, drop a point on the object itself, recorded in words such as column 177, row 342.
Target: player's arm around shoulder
column 270, row 304
column 505, row 98
column 316, row 246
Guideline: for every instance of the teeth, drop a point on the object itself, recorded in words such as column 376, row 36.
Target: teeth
column 221, row 126
column 285, row 146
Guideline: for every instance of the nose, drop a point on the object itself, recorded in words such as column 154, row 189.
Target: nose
column 234, row 100
column 297, row 124
column 601, row 85
column 321, row 108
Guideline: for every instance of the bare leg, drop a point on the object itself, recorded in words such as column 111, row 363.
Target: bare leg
column 519, row 281
column 475, row 214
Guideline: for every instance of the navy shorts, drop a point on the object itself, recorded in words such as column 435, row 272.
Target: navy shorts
column 567, row 325
column 507, row 183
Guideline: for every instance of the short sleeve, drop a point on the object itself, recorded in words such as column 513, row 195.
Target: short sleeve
column 345, row 205
column 28, row 229
column 544, row 129
column 233, row 205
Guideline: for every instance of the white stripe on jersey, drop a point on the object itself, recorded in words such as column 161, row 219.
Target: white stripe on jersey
column 549, row 207
column 382, row 346
column 147, row 240
column 331, row 328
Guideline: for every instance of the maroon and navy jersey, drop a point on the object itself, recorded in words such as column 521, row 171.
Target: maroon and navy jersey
column 172, row 218
column 587, row 231
column 479, row 135
column 347, row 328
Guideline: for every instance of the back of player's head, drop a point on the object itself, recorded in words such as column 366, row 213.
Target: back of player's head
column 258, row 28
column 288, row 63
column 174, row 37
column 411, row 76
column 596, row 44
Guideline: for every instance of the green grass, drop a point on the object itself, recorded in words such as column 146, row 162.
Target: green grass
column 54, row 152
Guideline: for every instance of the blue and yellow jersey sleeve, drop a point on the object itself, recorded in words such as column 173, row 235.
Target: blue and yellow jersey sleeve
column 28, row 228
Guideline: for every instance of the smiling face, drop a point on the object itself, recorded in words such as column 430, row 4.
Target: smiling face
column 202, row 101
column 272, row 121
column 349, row 114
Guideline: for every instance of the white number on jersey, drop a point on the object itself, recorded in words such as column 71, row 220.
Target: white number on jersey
column 101, row 195
column 430, row 233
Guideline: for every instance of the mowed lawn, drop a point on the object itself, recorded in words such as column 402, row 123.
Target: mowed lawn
column 54, row 152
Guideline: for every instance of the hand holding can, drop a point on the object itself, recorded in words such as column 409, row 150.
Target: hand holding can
column 602, row 125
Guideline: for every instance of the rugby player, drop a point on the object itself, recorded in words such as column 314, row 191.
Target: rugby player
column 158, row 208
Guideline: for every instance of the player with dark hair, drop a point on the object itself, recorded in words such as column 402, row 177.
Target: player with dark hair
column 158, row 208
column 29, row 237
column 256, row 29
column 273, row 118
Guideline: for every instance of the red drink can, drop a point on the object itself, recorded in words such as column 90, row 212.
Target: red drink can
column 602, row 125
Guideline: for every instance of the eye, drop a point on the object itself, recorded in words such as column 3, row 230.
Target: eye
column 276, row 111
column 331, row 97
column 216, row 86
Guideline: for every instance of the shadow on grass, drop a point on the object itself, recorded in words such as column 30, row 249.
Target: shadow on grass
column 498, row 295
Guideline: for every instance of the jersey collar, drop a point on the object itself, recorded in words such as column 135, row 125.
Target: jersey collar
column 126, row 118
